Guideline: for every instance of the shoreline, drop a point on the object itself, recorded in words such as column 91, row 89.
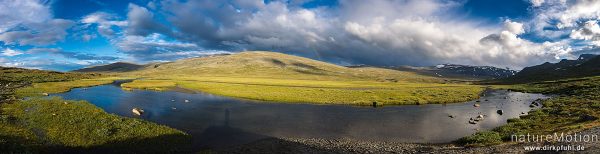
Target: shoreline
column 344, row 145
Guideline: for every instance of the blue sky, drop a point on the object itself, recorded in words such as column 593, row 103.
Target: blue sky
column 69, row 34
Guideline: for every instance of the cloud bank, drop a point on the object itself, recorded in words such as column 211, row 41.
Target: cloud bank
column 378, row 32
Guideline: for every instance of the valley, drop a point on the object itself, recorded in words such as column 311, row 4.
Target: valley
column 268, row 79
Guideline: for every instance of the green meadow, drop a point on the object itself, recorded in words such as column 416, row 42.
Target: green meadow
column 53, row 125
column 321, row 92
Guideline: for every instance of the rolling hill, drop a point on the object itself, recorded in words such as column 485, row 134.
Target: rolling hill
column 114, row 67
column 259, row 64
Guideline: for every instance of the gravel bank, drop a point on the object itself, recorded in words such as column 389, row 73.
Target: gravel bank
column 292, row 145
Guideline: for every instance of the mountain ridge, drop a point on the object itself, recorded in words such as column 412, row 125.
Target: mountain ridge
column 585, row 65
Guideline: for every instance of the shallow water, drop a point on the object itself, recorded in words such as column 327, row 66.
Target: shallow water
column 216, row 121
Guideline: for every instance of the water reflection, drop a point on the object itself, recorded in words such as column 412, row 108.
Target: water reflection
column 216, row 121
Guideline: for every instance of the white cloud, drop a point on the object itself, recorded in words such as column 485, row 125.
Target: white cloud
column 580, row 9
column 536, row 3
column 105, row 22
column 10, row 52
column 514, row 27
column 15, row 12
column 590, row 30
column 30, row 22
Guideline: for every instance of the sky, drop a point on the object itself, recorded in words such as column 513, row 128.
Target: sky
column 64, row 35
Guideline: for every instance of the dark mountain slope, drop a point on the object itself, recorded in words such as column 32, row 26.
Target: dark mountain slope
column 114, row 67
column 461, row 71
column 585, row 65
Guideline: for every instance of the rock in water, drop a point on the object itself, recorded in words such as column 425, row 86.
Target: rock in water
column 472, row 122
column 187, row 101
column 500, row 112
column 476, row 105
column 137, row 111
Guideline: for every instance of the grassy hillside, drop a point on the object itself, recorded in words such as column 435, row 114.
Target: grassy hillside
column 260, row 64
column 279, row 77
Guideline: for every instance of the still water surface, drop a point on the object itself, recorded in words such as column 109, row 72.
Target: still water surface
column 217, row 121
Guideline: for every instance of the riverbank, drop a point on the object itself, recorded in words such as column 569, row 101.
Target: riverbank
column 349, row 146
column 575, row 107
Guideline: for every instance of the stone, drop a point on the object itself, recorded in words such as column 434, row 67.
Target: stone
column 137, row 111
column 476, row 105
column 500, row 112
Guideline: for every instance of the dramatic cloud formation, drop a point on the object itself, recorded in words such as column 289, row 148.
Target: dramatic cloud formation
column 377, row 32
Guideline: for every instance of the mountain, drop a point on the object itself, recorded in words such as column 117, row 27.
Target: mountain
column 114, row 67
column 461, row 71
column 260, row 64
column 585, row 65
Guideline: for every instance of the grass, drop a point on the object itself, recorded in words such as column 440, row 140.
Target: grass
column 576, row 107
column 321, row 92
column 41, row 124
column 38, row 89
column 37, row 76
column 158, row 85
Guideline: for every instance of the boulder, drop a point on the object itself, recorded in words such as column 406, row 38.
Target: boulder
column 137, row 111
column 45, row 94
column 472, row 122
column 500, row 112
column 476, row 105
